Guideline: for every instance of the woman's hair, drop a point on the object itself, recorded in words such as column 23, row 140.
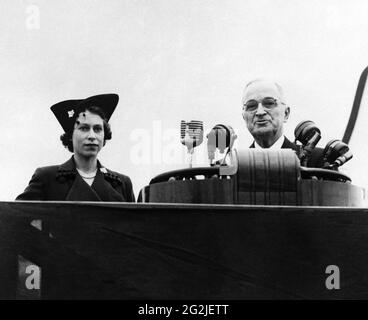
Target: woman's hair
column 66, row 138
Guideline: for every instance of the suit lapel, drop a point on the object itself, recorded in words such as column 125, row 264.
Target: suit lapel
column 288, row 144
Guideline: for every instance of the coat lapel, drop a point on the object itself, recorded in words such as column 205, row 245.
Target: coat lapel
column 81, row 191
column 104, row 188
column 65, row 177
column 76, row 189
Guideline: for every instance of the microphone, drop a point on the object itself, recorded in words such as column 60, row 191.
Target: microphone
column 336, row 153
column 309, row 135
column 211, row 145
column 191, row 135
column 220, row 137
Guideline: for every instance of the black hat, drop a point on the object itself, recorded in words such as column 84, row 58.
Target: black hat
column 64, row 111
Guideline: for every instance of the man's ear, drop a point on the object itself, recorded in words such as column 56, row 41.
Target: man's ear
column 243, row 112
column 287, row 113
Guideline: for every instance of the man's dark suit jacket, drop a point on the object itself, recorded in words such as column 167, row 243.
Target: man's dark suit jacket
column 316, row 159
column 63, row 183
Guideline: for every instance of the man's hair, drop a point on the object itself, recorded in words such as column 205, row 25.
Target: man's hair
column 279, row 88
column 66, row 138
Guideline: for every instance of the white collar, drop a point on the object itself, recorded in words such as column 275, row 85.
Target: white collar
column 86, row 175
column 277, row 145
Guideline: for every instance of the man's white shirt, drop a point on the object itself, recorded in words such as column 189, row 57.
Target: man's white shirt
column 277, row 145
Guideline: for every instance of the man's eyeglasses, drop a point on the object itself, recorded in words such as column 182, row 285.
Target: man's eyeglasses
column 267, row 103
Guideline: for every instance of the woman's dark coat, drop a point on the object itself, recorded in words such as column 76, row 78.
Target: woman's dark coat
column 63, row 183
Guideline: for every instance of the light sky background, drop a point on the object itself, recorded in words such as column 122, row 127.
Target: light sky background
column 172, row 60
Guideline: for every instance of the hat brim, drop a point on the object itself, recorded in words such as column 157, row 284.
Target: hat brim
column 64, row 111
column 106, row 102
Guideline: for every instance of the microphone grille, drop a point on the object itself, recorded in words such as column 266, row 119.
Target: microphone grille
column 183, row 126
column 195, row 127
column 305, row 130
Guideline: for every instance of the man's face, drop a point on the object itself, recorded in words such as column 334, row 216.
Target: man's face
column 264, row 121
column 88, row 134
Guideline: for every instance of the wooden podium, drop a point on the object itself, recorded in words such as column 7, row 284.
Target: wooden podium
column 258, row 178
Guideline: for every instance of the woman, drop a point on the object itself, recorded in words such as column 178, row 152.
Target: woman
column 82, row 178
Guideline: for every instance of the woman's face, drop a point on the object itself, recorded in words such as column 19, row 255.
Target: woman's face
column 88, row 134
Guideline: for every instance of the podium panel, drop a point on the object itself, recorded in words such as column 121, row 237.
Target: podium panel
column 330, row 193
column 181, row 251
column 194, row 191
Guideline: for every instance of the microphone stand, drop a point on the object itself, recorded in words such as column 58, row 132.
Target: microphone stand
column 307, row 150
column 191, row 151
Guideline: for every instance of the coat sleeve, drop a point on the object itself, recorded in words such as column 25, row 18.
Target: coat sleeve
column 35, row 189
column 129, row 194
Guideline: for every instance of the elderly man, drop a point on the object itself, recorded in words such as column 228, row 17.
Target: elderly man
column 265, row 113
